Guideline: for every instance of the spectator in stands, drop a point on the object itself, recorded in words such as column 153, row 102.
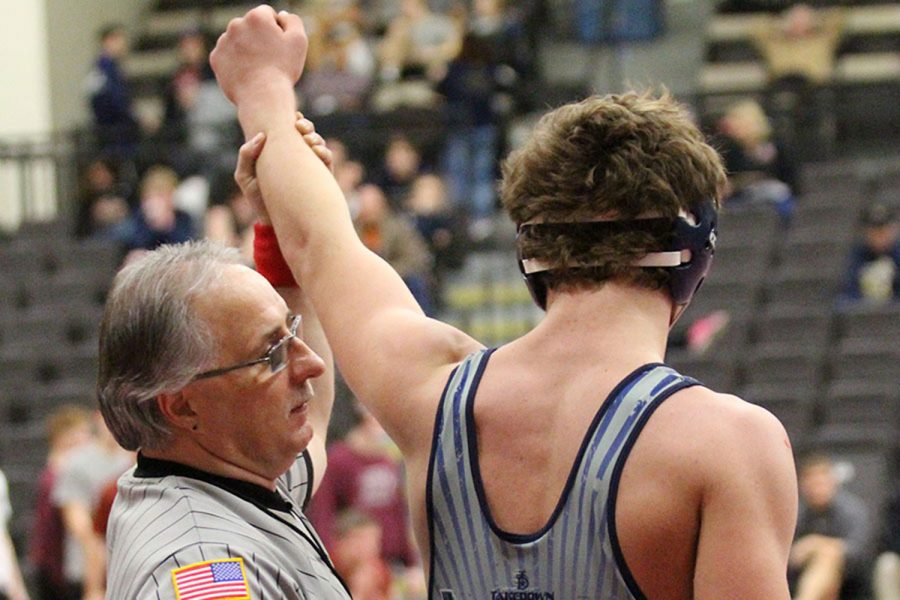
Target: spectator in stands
column 102, row 200
column 439, row 225
column 339, row 72
column 156, row 220
column 799, row 51
column 350, row 176
column 68, row 428
column 12, row 585
column 357, row 556
column 503, row 26
column 184, row 86
column 348, row 172
column 230, row 217
column 402, row 164
column 470, row 88
column 760, row 171
column 801, row 42
column 365, row 474
column 886, row 578
column 392, row 237
column 198, row 121
column 418, row 39
column 417, row 47
column 107, row 212
column 339, row 151
column 76, row 493
column 210, row 129
column 873, row 273
column 110, row 97
column 830, row 557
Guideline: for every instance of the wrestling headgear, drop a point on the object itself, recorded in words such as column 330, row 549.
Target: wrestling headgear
column 688, row 254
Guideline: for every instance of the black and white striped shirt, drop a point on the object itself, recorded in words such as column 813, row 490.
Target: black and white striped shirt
column 168, row 516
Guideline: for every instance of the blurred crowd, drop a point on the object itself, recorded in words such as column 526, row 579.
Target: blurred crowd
column 420, row 204
column 164, row 180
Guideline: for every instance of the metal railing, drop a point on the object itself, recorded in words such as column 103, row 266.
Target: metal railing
column 38, row 179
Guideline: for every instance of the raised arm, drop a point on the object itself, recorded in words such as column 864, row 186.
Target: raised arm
column 270, row 263
column 390, row 353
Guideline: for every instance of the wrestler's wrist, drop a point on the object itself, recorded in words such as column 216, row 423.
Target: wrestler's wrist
column 269, row 260
column 266, row 100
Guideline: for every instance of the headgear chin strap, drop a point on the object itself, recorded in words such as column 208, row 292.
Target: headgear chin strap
column 688, row 256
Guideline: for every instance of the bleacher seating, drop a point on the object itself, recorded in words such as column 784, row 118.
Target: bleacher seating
column 808, row 326
column 53, row 291
column 860, row 401
column 858, row 98
column 792, row 402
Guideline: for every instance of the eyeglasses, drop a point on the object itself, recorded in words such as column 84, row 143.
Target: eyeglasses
column 277, row 356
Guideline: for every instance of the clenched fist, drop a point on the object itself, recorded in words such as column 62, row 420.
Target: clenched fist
column 260, row 54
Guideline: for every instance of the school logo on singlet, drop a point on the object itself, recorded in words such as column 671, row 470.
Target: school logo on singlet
column 521, row 590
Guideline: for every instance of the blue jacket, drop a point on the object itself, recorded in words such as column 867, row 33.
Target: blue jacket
column 110, row 96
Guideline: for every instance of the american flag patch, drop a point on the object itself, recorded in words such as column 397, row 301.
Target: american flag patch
column 211, row 580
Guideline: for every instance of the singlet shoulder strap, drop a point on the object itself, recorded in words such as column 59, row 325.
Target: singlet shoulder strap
column 659, row 383
column 449, row 448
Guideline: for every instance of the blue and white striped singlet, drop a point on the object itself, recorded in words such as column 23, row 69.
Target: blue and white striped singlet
column 576, row 555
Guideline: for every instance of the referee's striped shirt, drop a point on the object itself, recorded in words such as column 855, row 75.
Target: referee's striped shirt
column 168, row 516
column 576, row 555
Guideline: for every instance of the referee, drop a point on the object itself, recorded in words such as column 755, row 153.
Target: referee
column 224, row 386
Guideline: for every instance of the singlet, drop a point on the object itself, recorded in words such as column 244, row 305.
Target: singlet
column 576, row 555
column 169, row 518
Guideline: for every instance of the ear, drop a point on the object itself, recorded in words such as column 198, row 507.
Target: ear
column 177, row 409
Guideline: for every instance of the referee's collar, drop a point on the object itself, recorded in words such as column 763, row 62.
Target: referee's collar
column 157, row 467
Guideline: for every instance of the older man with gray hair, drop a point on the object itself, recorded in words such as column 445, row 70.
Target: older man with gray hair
column 206, row 372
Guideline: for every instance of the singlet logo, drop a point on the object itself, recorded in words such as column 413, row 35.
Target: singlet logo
column 521, row 581
column 521, row 591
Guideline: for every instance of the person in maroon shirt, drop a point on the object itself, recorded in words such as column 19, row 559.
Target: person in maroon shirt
column 67, row 428
column 365, row 474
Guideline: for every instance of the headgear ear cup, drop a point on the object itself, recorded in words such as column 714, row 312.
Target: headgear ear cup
column 535, row 282
column 698, row 236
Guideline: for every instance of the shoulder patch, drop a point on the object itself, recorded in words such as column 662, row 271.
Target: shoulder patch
column 222, row 579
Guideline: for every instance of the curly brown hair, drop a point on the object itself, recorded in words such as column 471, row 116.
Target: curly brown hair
column 618, row 156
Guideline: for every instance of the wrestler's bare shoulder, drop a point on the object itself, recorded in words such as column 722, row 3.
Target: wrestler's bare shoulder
column 698, row 420
column 699, row 409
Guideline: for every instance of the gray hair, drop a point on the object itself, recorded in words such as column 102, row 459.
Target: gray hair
column 152, row 341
